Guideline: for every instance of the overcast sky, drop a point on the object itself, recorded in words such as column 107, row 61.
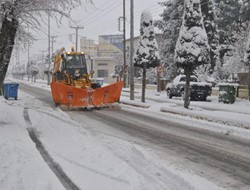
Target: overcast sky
column 100, row 19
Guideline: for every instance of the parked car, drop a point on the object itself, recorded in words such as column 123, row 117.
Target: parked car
column 199, row 90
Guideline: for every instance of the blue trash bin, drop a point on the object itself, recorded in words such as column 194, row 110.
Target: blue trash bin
column 10, row 90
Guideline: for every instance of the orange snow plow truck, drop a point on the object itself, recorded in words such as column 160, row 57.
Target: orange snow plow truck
column 73, row 88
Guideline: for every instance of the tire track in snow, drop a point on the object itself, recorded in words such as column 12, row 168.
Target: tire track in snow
column 58, row 171
column 193, row 144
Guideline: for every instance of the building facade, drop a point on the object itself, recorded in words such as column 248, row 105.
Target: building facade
column 88, row 46
column 158, row 38
column 110, row 45
column 103, row 67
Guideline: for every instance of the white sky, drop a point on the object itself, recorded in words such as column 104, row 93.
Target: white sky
column 101, row 19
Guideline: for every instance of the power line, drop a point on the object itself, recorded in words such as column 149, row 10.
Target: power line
column 113, row 23
column 109, row 7
column 105, row 13
column 96, row 9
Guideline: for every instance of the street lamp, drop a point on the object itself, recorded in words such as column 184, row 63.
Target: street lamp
column 48, row 79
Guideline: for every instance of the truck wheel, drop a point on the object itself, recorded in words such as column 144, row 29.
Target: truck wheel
column 169, row 94
column 204, row 99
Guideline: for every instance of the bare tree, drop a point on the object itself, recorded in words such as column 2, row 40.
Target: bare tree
column 14, row 13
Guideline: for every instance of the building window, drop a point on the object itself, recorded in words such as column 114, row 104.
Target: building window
column 102, row 64
column 102, row 73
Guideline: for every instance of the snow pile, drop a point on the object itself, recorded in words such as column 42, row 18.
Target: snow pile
column 223, row 117
column 212, row 115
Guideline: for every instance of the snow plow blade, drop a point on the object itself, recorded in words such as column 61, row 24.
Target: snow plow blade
column 70, row 97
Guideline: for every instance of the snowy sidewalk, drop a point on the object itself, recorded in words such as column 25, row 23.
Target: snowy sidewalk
column 218, row 116
column 21, row 166
column 237, row 114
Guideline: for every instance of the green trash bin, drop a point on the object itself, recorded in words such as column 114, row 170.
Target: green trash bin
column 227, row 93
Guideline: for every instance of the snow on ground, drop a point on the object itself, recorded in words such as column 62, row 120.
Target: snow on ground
column 233, row 119
column 91, row 160
column 21, row 166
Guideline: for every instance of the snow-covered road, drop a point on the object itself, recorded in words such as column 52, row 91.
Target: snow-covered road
column 95, row 153
column 91, row 161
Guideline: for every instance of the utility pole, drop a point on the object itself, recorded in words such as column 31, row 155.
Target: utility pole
column 52, row 47
column 43, row 51
column 124, row 44
column 17, row 54
column 249, row 84
column 28, row 51
column 48, row 80
column 77, row 28
column 132, row 85
column 28, row 46
column 52, row 42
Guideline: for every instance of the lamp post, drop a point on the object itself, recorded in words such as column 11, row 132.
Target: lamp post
column 132, row 85
column 124, row 44
column 48, row 79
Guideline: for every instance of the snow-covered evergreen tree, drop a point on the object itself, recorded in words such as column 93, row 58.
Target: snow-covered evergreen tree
column 233, row 24
column 247, row 54
column 192, row 48
column 146, row 55
column 245, row 8
column 147, row 51
column 228, row 24
column 170, row 25
column 209, row 19
column 247, row 60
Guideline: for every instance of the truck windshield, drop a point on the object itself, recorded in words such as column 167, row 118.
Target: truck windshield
column 77, row 60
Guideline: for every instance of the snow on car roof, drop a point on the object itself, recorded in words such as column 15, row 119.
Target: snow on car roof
column 178, row 78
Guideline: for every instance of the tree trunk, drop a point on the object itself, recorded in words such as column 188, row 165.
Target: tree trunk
column 143, row 82
column 187, row 88
column 213, row 62
column 249, row 83
column 158, row 82
column 7, row 41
